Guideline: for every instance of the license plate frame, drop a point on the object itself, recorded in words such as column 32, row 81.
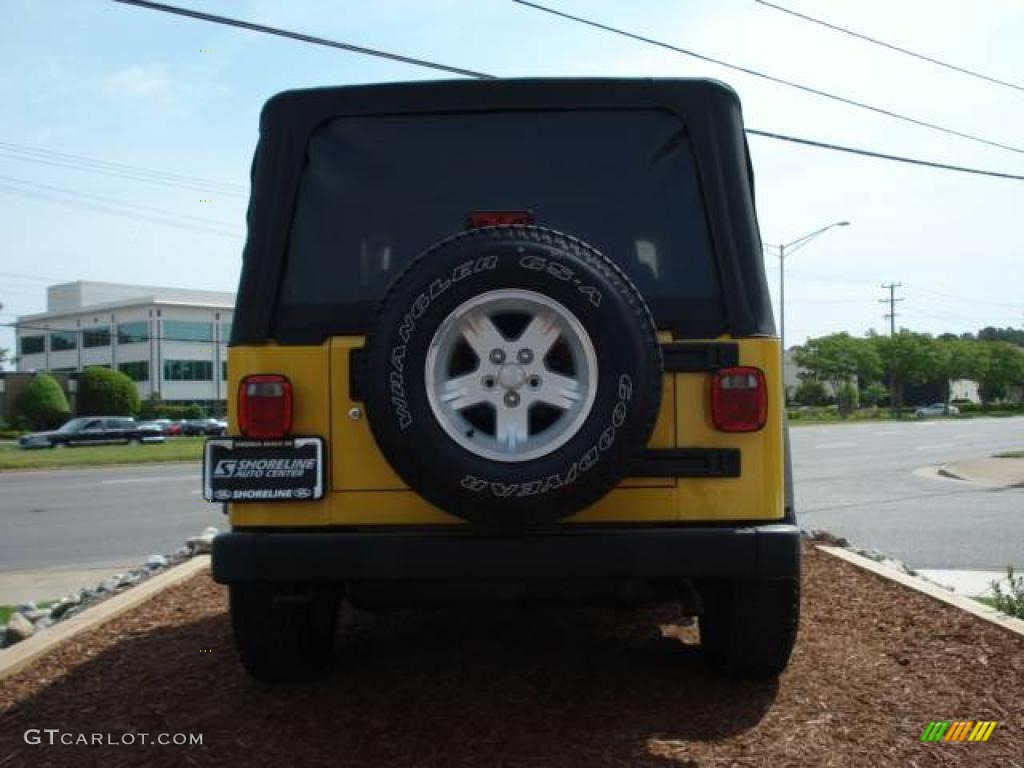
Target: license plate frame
column 242, row 470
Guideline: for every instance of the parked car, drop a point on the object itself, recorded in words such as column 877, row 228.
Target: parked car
column 936, row 409
column 208, row 427
column 167, row 426
column 163, row 426
column 94, row 430
column 553, row 374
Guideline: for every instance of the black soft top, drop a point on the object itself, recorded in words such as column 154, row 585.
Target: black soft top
column 709, row 109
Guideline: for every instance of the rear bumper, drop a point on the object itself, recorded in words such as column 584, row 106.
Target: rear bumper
column 652, row 553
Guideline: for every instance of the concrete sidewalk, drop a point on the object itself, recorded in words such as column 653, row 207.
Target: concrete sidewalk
column 1004, row 473
column 967, row 583
column 51, row 583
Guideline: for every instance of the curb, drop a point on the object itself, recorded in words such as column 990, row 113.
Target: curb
column 19, row 656
column 948, row 471
column 934, row 591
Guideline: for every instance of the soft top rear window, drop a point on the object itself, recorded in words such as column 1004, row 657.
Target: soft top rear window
column 378, row 190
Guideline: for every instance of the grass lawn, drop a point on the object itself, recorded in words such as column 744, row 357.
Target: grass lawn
column 1010, row 455
column 174, row 449
column 7, row 610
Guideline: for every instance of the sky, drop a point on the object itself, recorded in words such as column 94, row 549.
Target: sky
column 121, row 84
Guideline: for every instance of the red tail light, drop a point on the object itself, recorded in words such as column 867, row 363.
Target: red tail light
column 265, row 406
column 739, row 399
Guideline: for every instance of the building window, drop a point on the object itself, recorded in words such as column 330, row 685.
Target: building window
column 136, row 371
column 72, row 369
column 187, row 330
column 132, row 333
column 96, row 337
column 225, row 332
column 62, row 340
column 33, row 345
column 188, row 370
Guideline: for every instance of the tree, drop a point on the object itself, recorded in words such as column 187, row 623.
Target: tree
column 1004, row 368
column 105, row 392
column 839, row 359
column 961, row 359
column 873, row 394
column 1011, row 335
column 909, row 358
column 811, row 392
column 42, row 404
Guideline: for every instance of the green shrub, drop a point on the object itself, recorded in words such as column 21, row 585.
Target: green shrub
column 811, row 392
column 174, row 412
column 106, row 392
column 42, row 404
column 148, row 408
column 874, row 394
column 1012, row 602
column 193, row 412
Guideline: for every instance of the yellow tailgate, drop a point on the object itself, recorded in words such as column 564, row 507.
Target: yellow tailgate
column 365, row 491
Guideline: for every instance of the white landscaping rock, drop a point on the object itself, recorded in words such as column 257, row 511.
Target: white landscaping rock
column 153, row 562
column 203, row 543
column 62, row 607
column 18, row 628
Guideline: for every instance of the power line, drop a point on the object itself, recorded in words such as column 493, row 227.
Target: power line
column 965, row 299
column 770, row 78
column 882, row 155
column 22, row 188
column 891, row 301
column 483, row 75
column 88, row 165
column 110, row 201
column 302, row 37
column 891, row 46
column 23, row 276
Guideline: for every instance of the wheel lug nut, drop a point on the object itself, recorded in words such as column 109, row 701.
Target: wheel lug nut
column 511, row 399
column 525, row 356
column 497, row 356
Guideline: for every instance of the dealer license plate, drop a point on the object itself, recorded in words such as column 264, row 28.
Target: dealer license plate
column 239, row 470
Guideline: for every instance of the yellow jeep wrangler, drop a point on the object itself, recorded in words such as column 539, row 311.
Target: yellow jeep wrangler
column 508, row 339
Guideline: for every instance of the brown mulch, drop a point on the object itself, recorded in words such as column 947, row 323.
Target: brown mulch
column 873, row 665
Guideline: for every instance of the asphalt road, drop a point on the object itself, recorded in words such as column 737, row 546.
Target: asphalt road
column 857, row 481
column 865, row 482
column 98, row 518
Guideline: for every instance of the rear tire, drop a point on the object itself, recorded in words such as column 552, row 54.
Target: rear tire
column 284, row 633
column 748, row 627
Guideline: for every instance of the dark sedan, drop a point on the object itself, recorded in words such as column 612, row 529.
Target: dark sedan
column 93, row 430
column 204, row 427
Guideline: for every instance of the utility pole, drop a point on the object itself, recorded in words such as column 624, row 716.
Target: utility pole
column 891, row 301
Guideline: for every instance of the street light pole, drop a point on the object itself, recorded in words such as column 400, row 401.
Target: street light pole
column 782, row 300
column 800, row 242
column 782, row 249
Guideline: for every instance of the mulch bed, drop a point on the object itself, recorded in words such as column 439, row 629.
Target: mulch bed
column 514, row 687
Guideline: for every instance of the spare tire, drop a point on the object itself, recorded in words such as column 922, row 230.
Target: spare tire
column 513, row 374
